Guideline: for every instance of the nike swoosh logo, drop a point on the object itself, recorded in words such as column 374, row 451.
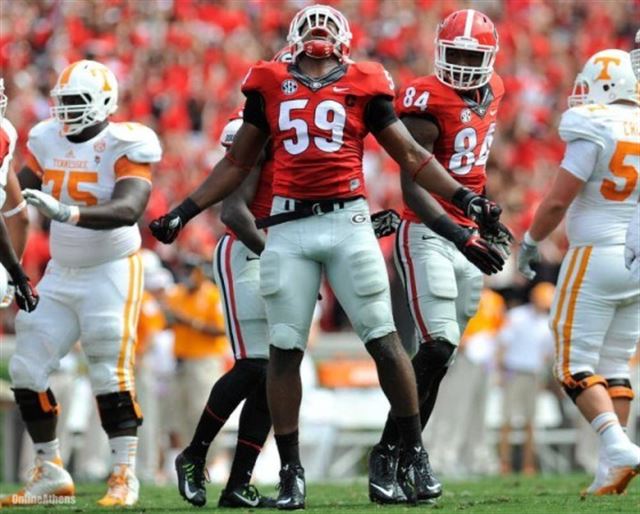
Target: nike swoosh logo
column 493, row 113
column 284, row 502
column 252, row 503
column 300, row 483
column 188, row 492
column 387, row 492
column 337, row 89
column 432, row 487
column 252, row 258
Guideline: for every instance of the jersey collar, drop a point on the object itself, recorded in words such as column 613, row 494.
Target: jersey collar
column 480, row 108
column 317, row 83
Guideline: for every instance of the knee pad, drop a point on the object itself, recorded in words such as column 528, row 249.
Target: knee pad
column 286, row 337
column 27, row 374
column 118, row 411
column 374, row 320
column 434, row 355
column 620, row 388
column 36, row 406
column 575, row 384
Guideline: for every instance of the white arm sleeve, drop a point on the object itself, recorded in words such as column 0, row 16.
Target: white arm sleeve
column 580, row 158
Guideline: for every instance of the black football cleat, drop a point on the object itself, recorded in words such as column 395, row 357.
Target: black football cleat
column 245, row 496
column 415, row 476
column 191, row 479
column 292, row 488
column 383, row 465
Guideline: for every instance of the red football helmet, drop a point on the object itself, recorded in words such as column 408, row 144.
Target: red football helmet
column 465, row 31
column 330, row 27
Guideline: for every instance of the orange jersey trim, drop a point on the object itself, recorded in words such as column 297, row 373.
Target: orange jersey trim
column 125, row 168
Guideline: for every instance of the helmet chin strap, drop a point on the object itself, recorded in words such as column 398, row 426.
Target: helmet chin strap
column 318, row 48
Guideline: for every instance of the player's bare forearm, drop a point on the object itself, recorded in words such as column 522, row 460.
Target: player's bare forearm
column 127, row 204
column 231, row 171
column 236, row 215
column 420, row 201
column 8, row 257
column 417, row 161
column 549, row 214
column 15, row 214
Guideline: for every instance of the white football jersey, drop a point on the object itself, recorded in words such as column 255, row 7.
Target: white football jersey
column 85, row 174
column 601, row 212
column 8, row 145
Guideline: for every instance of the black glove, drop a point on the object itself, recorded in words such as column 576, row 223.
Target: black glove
column 385, row 223
column 499, row 236
column 27, row 297
column 478, row 208
column 166, row 228
column 479, row 252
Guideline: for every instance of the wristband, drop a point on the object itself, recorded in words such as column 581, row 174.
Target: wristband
column 16, row 273
column 529, row 240
column 186, row 210
column 12, row 212
column 445, row 227
column 462, row 197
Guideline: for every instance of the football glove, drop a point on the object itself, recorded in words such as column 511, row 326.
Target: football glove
column 50, row 207
column 166, row 228
column 480, row 253
column 476, row 207
column 499, row 236
column 632, row 246
column 27, row 297
column 527, row 255
column 385, row 223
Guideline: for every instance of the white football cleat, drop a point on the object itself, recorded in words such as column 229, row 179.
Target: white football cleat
column 615, row 471
column 123, row 488
column 47, row 481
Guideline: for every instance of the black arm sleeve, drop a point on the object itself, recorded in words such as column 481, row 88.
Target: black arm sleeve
column 379, row 113
column 253, row 111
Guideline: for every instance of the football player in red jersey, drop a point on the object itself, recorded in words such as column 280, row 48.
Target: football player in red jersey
column 12, row 208
column 451, row 113
column 317, row 111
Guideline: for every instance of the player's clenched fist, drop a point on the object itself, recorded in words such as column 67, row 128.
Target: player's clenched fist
column 476, row 207
column 27, row 297
column 166, row 228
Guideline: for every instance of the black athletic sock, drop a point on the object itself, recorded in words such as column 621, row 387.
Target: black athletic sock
column 253, row 429
column 288, row 449
column 226, row 394
column 410, row 431
column 427, row 405
column 390, row 435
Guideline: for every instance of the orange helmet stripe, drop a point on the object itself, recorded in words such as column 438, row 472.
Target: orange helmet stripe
column 66, row 74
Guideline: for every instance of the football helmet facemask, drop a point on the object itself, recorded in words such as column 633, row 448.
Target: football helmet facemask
column 319, row 31
column 465, row 31
column 86, row 93
column 606, row 77
column 635, row 56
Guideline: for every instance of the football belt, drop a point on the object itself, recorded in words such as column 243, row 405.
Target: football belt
column 298, row 209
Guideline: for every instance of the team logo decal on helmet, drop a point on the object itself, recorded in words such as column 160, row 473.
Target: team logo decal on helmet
column 86, row 93
column 635, row 56
column 319, row 31
column 469, row 31
column 606, row 77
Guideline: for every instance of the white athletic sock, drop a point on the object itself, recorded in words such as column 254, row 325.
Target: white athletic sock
column 608, row 428
column 49, row 451
column 123, row 451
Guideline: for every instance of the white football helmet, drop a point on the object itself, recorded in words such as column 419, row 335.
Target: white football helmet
column 98, row 88
column 635, row 56
column 3, row 100
column 606, row 77
column 331, row 27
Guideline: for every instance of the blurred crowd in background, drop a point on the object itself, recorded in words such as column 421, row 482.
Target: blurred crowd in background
column 179, row 64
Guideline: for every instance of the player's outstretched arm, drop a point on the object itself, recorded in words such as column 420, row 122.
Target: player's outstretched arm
column 428, row 173
column 15, row 214
column 236, row 215
column 480, row 253
column 548, row 216
column 225, row 177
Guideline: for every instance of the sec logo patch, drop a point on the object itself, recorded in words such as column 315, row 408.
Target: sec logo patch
column 358, row 219
column 465, row 115
column 289, row 87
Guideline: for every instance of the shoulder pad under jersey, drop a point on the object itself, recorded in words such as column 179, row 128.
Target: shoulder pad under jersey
column 137, row 142
column 374, row 78
column 580, row 123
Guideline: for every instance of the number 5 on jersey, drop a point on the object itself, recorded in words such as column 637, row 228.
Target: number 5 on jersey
column 74, row 181
column 329, row 115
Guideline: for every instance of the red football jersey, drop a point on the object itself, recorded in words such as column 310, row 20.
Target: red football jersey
column 466, row 132
column 318, row 135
